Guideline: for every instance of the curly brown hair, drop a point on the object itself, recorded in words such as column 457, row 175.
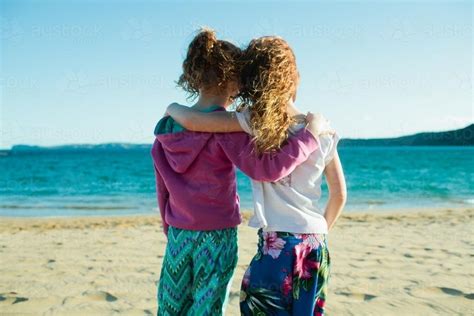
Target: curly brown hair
column 210, row 64
column 269, row 79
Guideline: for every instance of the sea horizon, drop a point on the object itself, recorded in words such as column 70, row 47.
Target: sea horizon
column 453, row 137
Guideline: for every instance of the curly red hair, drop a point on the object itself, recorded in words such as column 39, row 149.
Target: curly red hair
column 210, row 64
column 269, row 79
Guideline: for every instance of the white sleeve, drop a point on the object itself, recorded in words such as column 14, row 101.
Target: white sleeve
column 244, row 120
column 332, row 149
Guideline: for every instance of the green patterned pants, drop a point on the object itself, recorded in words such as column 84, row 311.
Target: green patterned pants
column 196, row 271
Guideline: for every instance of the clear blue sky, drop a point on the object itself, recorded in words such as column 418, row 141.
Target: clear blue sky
column 104, row 71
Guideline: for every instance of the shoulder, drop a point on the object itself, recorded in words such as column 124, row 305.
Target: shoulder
column 329, row 136
column 167, row 124
column 329, row 140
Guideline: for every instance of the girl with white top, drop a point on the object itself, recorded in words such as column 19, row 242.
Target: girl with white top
column 290, row 272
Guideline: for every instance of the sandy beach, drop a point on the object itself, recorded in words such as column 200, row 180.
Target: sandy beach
column 386, row 263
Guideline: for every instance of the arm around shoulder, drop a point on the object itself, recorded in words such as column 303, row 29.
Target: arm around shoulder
column 198, row 121
column 271, row 166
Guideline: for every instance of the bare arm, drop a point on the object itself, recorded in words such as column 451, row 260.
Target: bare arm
column 197, row 121
column 269, row 166
column 337, row 190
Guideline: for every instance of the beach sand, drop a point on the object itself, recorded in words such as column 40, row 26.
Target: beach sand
column 386, row 263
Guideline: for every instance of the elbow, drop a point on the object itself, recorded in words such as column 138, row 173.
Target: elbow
column 273, row 175
column 278, row 172
column 262, row 178
column 275, row 178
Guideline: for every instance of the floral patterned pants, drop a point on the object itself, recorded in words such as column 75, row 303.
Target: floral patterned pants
column 288, row 275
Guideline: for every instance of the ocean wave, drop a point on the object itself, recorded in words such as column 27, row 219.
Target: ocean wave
column 375, row 202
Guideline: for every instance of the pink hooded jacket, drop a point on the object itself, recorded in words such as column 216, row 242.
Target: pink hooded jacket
column 195, row 173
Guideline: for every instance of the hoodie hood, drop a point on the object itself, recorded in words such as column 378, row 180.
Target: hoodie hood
column 181, row 147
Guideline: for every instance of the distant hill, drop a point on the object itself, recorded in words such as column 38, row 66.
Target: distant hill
column 82, row 147
column 459, row 137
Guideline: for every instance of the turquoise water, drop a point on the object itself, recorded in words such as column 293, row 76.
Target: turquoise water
column 122, row 183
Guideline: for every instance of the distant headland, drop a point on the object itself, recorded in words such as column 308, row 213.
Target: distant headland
column 458, row 137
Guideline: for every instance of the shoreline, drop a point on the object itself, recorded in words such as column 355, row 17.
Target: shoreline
column 248, row 212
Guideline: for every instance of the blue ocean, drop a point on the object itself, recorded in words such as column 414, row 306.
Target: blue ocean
column 47, row 183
